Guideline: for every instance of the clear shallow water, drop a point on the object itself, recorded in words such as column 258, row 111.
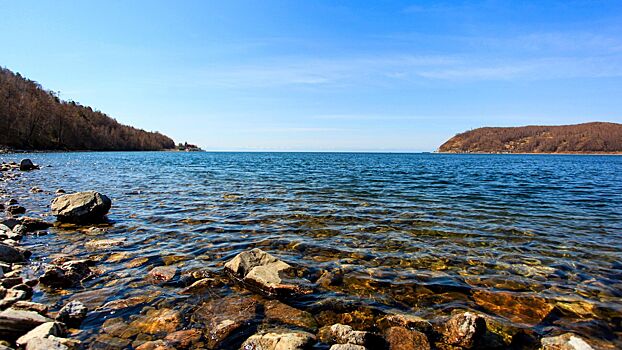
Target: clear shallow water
column 423, row 233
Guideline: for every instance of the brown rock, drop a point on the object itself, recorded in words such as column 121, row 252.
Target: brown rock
column 155, row 345
column 30, row 306
column 464, row 329
column 266, row 274
column 157, row 321
column 400, row 338
column 108, row 342
column 279, row 340
column 202, row 286
column 277, row 311
column 525, row 309
column 407, row 321
column 226, row 319
column 184, row 339
column 162, row 274
column 567, row 341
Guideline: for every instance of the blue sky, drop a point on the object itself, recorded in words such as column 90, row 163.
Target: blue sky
column 323, row 75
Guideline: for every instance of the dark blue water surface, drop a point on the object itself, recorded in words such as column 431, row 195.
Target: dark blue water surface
column 417, row 233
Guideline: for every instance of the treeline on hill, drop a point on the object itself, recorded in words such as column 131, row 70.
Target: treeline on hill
column 596, row 137
column 32, row 118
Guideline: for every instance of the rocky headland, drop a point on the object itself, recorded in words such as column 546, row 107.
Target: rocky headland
column 587, row 138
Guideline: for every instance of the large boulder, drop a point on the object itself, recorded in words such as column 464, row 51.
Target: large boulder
column 266, row 274
column 81, row 207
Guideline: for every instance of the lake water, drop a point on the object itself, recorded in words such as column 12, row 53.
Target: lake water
column 417, row 233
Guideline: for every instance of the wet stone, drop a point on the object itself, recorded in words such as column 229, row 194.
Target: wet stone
column 101, row 244
column 72, row 314
column 277, row 311
column 344, row 334
column 9, row 254
column 42, row 331
column 529, row 310
column 67, row 274
column 266, row 274
column 567, row 341
column 155, row 345
column 162, row 274
column 400, row 338
column 464, row 329
column 108, row 342
column 279, row 340
column 347, row 347
column 15, row 210
column 406, row 321
column 226, row 319
column 15, row 323
column 202, row 286
column 157, row 321
column 184, row 339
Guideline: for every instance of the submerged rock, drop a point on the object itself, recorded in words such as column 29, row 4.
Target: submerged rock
column 157, row 321
column 465, row 330
column 81, row 207
column 72, row 314
column 162, row 274
column 265, row 273
column 567, row 341
column 226, row 319
column 279, row 340
column 277, row 311
column 525, row 309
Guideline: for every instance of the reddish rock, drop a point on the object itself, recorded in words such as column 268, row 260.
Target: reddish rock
column 400, row 338
column 525, row 309
column 184, row 339
column 225, row 319
column 277, row 311
column 157, row 321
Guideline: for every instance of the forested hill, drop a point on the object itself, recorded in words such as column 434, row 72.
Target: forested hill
column 32, row 118
column 594, row 137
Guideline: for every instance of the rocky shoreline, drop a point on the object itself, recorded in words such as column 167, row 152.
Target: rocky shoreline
column 265, row 287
